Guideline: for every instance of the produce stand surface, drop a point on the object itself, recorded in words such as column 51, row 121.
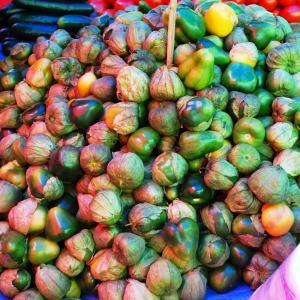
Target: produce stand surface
column 242, row 292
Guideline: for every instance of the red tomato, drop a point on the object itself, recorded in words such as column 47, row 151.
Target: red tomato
column 122, row 4
column 252, row 1
column 276, row 11
column 154, row 3
column 291, row 13
column 287, row 2
column 268, row 4
column 237, row 1
column 99, row 6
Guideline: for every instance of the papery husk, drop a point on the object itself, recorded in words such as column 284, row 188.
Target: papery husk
column 51, row 282
column 289, row 161
column 6, row 152
column 82, row 184
column 26, row 95
column 269, row 184
column 104, row 235
column 241, row 200
column 126, row 170
column 140, row 270
column 39, row 127
column 279, row 248
column 145, row 217
column 122, row 117
column 10, row 117
column 20, row 216
column 106, row 207
column 99, row 133
column 7, row 98
column 137, row 32
column 117, row 42
column 58, row 90
column 48, row 49
column 88, row 49
column 137, row 290
column 182, row 52
column 30, row 294
column 163, row 277
column 61, row 37
column 112, row 290
column 259, row 270
column 193, row 286
column 81, row 245
column 53, row 189
column 70, row 50
column 38, row 148
column 7, row 278
column 39, row 74
column 175, row 165
column 112, row 65
column 149, row 192
column 132, row 85
column 156, row 43
column 89, row 30
column 104, row 266
column 100, row 183
column 9, row 196
column 58, row 120
column 217, row 218
column 68, row 264
column 14, row 173
column 84, row 201
column 66, row 70
column 254, row 235
column 143, row 60
column 155, row 17
column 75, row 139
column 165, row 85
column 128, row 248
column 178, row 210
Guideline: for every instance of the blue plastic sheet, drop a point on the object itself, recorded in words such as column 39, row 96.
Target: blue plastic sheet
column 242, row 292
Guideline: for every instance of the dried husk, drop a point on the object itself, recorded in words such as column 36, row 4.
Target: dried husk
column 122, row 117
column 75, row 139
column 89, row 30
column 132, row 85
column 155, row 17
column 26, row 95
column 169, row 168
column 156, row 43
column 289, row 161
column 140, row 270
column 112, row 290
column 88, row 49
column 51, row 282
column 60, row 37
column 143, row 60
column 193, row 286
column 10, row 117
column 106, row 207
column 163, row 277
column 101, row 183
column 182, row 52
column 217, row 218
column 241, row 200
column 104, row 266
column 9, row 196
column 269, row 184
column 53, row 189
column 7, row 278
column 66, row 70
column 126, row 171
column 136, row 34
column 112, row 65
column 70, row 50
column 6, row 151
column 82, row 184
column 20, row 216
column 68, row 264
column 165, row 85
column 48, row 49
column 30, row 294
column 7, row 98
column 149, row 192
column 40, row 127
column 279, row 248
column 39, row 74
column 84, row 201
column 104, row 235
column 14, row 173
column 38, row 148
column 58, row 119
column 178, row 210
column 249, row 230
column 145, row 217
column 259, row 270
column 81, row 245
column 137, row 290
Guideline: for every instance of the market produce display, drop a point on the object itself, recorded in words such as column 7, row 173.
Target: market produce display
column 123, row 175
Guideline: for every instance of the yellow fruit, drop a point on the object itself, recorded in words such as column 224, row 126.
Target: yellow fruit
column 84, row 84
column 220, row 19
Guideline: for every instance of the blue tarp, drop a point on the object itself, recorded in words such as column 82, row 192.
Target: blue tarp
column 242, row 292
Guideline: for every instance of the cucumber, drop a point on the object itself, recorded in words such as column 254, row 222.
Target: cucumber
column 73, row 22
column 30, row 31
column 4, row 32
column 33, row 18
column 13, row 10
column 55, row 7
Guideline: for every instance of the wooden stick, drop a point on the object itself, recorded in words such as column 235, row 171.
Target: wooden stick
column 171, row 32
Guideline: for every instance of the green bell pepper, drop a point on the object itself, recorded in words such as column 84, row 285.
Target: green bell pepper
column 197, row 71
column 240, row 255
column 22, row 280
column 221, row 57
column 182, row 243
column 239, row 77
column 265, row 98
column 10, row 79
column 261, row 76
column 190, row 26
column 143, row 141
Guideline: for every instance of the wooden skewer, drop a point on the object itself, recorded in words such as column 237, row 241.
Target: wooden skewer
column 171, row 32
